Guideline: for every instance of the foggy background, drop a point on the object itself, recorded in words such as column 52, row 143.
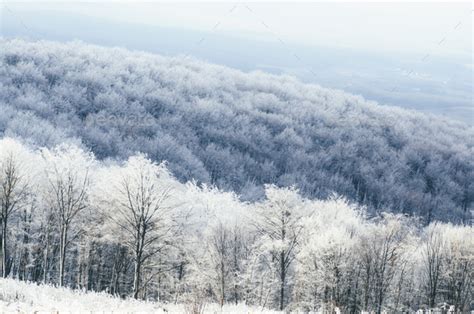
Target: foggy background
column 416, row 56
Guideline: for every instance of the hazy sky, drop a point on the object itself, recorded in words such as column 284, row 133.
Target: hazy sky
column 443, row 28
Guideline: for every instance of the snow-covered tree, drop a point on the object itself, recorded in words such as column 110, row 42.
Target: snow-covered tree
column 67, row 174
column 458, row 268
column 433, row 255
column 382, row 247
column 279, row 222
column 325, row 270
column 13, row 190
column 139, row 203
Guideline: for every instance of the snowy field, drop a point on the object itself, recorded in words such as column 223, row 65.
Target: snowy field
column 21, row 297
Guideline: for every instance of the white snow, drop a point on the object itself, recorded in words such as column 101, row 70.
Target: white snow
column 23, row 297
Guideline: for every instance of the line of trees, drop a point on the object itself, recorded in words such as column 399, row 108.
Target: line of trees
column 133, row 230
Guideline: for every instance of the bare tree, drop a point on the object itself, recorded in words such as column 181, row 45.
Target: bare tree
column 67, row 192
column 279, row 222
column 239, row 246
column 382, row 249
column 13, row 188
column 217, row 261
column 70, row 199
column 458, row 266
column 433, row 259
column 141, row 209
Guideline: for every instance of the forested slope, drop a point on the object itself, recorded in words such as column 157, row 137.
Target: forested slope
column 236, row 130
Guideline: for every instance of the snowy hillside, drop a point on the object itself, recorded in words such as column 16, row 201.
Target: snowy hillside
column 234, row 130
column 181, row 182
column 18, row 296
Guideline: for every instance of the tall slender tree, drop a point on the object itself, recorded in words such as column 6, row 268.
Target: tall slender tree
column 68, row 181
column 279, row 222
column 13, row 187
column 139, row 204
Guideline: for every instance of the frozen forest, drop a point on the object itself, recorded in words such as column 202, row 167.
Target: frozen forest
column 178, row 184
column 237, row 131
column 132, row 229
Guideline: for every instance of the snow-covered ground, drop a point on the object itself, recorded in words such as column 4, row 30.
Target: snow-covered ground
column 22, row 297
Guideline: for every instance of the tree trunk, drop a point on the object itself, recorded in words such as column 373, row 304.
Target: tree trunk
column 136, row 278
column 4, row 248
column 282, row 280
column 138, row 264
column 62, row 253
column 141, row 235
column 46, row 255
column 222, row 282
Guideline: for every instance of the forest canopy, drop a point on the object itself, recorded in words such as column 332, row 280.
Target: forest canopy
column 235, row 130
